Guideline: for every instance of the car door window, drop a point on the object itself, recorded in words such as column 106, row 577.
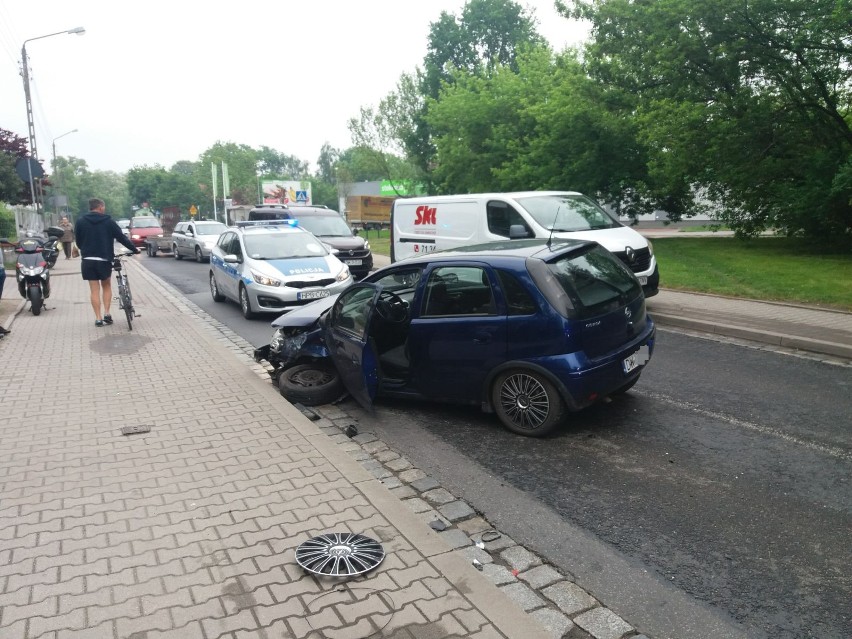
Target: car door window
column 352, row 310
column 224, row 242
column 518, row 299
column 459, row 290
column 501, row 217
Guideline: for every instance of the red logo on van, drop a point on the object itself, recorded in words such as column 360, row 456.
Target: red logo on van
column 425, row 215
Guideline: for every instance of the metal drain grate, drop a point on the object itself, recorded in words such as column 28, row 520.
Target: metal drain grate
column 339, row 554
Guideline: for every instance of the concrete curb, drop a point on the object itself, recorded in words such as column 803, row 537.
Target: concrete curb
column 664, row 319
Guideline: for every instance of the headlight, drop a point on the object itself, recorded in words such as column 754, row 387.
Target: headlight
column 208, row 245
column 263, row 279
column 650, row 247
column 343, row 275
column 366, row 245
column 275, row 342
column 136, row 236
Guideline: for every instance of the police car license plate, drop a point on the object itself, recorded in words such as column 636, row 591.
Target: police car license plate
column 313, row 295
column 636, row 360
column 352, row 262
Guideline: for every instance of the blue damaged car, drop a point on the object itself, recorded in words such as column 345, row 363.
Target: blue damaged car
column 527, row 329
column 273, row 267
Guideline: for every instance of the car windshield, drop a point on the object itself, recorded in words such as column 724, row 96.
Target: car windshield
column 568, row 213
column 141, row 223
column 211, row 228
column 325, row 225
column 123, row 223
column 282, row 246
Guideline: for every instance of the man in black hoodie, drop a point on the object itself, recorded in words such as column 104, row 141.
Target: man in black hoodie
column 95, row 232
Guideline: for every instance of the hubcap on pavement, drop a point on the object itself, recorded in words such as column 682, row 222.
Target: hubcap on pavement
column 339, row 554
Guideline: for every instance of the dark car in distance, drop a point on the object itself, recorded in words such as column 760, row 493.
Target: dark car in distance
column 527, row 329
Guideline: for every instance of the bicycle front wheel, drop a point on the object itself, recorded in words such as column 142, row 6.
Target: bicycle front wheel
column 126, row 301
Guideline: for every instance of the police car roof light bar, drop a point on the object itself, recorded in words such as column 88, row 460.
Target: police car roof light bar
column 245, row 223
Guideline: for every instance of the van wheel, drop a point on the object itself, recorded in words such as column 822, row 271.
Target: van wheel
column 178, row 256
column 310, row 384
column 527, row 403
column 245, row 304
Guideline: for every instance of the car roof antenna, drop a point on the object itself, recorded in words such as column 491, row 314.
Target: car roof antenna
column 550, row 237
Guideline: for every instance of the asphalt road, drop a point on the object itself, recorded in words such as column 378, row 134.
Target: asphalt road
column 717, row 491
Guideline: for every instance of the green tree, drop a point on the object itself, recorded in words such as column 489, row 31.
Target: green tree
column 242, row 161
column 327, row 162
column 750, row 100
column 12, row 188
column 489, row 34
column 273, row 163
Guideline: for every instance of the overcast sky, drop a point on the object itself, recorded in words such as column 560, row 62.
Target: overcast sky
column 154, row 82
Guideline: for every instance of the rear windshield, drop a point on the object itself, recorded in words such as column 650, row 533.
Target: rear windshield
column 568, row 213
column 585, row 284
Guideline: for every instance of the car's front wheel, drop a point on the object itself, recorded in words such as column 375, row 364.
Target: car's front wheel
column 176, row 252
column 527, row 403
column 214, row 290
column 198, row 257
column 310, row 384
column 245, row 304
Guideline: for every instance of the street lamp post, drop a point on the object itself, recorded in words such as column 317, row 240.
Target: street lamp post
column 55, row 199
column 30, row 124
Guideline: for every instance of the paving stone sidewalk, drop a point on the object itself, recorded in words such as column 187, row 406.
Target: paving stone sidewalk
column 189, row 531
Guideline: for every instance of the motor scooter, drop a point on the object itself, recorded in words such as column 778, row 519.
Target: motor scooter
column 35, row 258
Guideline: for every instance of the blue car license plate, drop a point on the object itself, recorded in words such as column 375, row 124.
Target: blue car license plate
column 639, row 358
column 312, row 295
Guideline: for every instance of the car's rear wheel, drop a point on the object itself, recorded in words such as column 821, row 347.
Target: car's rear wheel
column 626, row 387
column 527, row 403
column 245, row 304
column 310, row 384
column 198, row 257
column 214, row 290
column 177, row 254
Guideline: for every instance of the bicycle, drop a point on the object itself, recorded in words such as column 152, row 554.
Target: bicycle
column 125, row 299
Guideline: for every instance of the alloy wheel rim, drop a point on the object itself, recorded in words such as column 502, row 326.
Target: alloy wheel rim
column 524, row 401
column 339, row 554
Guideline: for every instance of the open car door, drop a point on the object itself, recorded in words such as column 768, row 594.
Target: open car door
column 346, row 334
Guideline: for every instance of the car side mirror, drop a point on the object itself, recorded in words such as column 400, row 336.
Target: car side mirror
column 231, row 259
column 517, row 232
column 356, row 232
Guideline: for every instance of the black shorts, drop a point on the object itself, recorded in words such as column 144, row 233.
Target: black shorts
column 96, row 270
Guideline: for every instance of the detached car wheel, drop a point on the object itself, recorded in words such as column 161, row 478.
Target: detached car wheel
column 310, row 384
column 527, row 403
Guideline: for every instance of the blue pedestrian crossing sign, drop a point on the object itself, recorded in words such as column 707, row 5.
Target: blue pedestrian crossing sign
column 302, row 196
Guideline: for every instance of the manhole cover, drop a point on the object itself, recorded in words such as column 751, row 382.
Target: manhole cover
column 339, row 554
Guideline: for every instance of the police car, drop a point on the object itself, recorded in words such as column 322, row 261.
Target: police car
column 273, row 267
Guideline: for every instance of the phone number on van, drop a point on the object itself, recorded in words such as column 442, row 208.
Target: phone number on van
column 424, row 248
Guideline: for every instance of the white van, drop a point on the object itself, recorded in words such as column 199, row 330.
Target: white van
column 425, row 224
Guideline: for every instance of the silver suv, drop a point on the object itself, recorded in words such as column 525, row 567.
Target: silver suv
column 196, row 239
